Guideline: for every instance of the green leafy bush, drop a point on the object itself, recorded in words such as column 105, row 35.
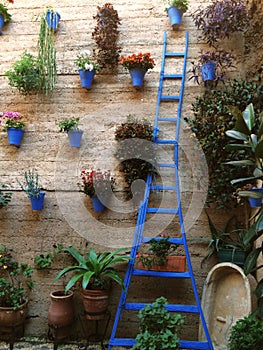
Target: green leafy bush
column 213, row 118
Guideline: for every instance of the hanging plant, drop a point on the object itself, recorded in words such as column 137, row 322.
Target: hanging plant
column 106, row 36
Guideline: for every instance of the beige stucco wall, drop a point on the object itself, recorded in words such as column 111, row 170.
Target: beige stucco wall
column 67, row 216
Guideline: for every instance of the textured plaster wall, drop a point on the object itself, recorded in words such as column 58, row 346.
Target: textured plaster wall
column 67, row 216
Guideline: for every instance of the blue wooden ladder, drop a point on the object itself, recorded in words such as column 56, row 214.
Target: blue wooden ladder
column 145, row 210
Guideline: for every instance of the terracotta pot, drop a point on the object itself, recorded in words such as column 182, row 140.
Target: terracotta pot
column 95, row 302
column 60, row 314
column 12, row 322
column 173, row 264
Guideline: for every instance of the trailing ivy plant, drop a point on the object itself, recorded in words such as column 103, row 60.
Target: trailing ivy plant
column 220, row 19
column 5, row 197
column 106, row 35
column 213, row 117
column 135, row 149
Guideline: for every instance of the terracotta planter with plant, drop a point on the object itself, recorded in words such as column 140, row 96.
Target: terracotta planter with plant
column 13, row 125
column 15, row 285
column 95, row 272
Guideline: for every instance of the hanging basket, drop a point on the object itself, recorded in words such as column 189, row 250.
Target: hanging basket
column 175, row 16
column 208, row 71
column 75, row 137
column 52, row 19
column 37, row 202
column 137, row 76
column 86, row 78
column 14, row 136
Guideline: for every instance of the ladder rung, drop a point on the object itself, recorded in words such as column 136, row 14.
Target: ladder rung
column 172, row 76
column 170, row 307
column 174, row 54
column 172, row 240
column 166, row 165
column 199, row 345
column 165, row 274
column 167, row 142
column 162, row 210
column 122, row 342
column 167, row 119
column 170, row 98
column 163, row 188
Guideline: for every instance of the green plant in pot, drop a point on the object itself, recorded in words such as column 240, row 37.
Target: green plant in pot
column 33, row 189
column 87, row 68
column 246, row 334
column 159, row 328
column 71, row 127
column 94, row 271
column 5, row 196
column 5, row 16
column 15, row 286
column 175, row 10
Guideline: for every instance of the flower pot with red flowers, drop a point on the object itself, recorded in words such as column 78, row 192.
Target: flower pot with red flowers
column 138, row 65
column 175, row 11
column 88, row 67
column 95, row 272
column 98, row 185
column 158, row 256
column 5, row 16
column 13, row 125
column 70, row 126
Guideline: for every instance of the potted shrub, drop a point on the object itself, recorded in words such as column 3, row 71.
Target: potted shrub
column 94, row 271
column 158, row 256
column 13, row 125
column 24, row 74
column 33, row 190
column 211, row 67
column 71, row 127
column 136, row 153
column 159, row 328
column 98, row 185
column 5, row 197
column 87, row 68
column 137, row 65
column 220, row 19
column 246, row 334
column 5, row 16
column 176, row 10
column 106, row 35
column 15, row 285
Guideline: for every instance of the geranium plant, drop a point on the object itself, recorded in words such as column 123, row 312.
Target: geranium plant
column 220, row 19
column 96, row 182
column 86, row 62
column 222, row 60
column 140, row 60
column 15, row 279
column 11, row 120
column 4, row 11
column 159, row 249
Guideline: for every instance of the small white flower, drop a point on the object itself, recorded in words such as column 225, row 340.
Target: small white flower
column 89, row 66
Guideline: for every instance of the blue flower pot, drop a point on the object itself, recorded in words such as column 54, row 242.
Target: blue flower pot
column 255, row 202
column 2, row 20
column 97, row 205
column 37, row 202
column 137, row 76
column 14, row 136
column 208, row 71
column 52, row 19
column 86, row 78
column 175, row 16
column 75, row 137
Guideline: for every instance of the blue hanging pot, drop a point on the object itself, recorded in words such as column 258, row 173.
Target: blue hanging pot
column 208, row 71
column 37, row 202
column 75, row 137
column 255, row 202
column 137, row 76
column 175, row 16
column 2, row 21
column 97, row 205
column 86, row 78
column 14, row 136
column 52, row 19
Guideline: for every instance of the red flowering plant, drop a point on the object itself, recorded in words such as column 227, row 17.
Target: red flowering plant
column 4, row 10
column 141, row 60
column 11, row 120
column 160, row 248
column 96, row 182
